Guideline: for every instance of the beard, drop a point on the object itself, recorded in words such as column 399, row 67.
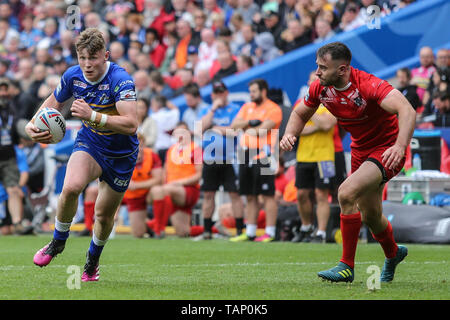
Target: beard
column 257, row 100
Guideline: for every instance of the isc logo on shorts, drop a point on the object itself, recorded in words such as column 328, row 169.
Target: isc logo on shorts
column 121, row 183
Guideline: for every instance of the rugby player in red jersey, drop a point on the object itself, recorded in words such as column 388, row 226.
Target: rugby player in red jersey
column 381, row 122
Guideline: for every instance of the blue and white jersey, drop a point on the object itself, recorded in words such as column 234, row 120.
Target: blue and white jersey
column 216, row 147
column 115, row 85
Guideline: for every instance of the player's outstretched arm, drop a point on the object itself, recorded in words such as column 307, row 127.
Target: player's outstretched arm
column 32, row 131
column 297, row 121
column 396, row 103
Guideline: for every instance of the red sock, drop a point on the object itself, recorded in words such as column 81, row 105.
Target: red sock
column 214, row 230
column 151, row 224
column 196, row 231
column 386, row 239
column 158, row 211
column 168, row 210
column 89, row 214
column 350, row 226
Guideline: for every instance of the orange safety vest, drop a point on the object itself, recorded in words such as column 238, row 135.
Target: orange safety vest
column 179, row 162
column 142, row 172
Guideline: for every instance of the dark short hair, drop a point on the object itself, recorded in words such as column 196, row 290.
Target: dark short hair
column 225, row 32
column 152, row 30
column 247, row 59
column 162, row 100
column 407, row 71
column 337, row 50
column 442, row 95
column 192, row 89
column 261, row 83
column 157, row 77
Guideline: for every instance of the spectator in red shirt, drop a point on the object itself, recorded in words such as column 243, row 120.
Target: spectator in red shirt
column 154, row 47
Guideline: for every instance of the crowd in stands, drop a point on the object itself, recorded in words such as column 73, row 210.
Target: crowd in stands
column 174, row 48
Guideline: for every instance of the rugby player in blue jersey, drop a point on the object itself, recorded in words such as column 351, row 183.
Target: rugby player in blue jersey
column 106, row 147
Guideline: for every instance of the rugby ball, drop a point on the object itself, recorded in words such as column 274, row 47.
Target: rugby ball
column 50, row 119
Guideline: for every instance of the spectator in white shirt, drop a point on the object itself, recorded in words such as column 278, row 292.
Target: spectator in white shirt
column 207, row 50
column 166, row 119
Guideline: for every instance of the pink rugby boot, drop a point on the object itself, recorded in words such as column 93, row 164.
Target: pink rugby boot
column 91, row 270
column 47, row 253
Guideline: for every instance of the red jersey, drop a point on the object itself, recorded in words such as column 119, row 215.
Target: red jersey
column 357, row 109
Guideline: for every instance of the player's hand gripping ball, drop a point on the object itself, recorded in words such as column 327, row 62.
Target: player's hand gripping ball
column 50, row 119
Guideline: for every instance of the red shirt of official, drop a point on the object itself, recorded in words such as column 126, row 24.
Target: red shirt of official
column 357, row 109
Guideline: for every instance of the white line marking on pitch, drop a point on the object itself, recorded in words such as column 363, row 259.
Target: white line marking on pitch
column 239, row 264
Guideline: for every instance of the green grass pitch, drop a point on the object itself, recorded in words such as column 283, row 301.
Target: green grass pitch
column 181, row 269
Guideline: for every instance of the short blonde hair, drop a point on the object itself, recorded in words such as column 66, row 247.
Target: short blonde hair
column 92, row 40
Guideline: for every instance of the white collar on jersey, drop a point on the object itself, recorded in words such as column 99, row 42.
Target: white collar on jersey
column 344, row 88
column 101, row 78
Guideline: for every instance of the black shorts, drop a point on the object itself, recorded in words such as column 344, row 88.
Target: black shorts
column 254, row 180
column 216, row 175
column 341, row 169
column 307, row 176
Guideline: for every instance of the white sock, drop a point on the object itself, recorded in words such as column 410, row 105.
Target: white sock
column 305, row 227
column 97, row 241
column 62, row 226
column 270, row 230
column 321, row 233
column 112, row 235
column 251, row 230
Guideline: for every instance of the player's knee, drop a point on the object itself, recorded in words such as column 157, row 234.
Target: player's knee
column 72, row 190
column 321, row 195
column 235, row 197
column 157, row 192
column 208, row 196
column 169, row 190
column 104, row 219
column 14, row 192
column 252, row 199
column 346, row 195
column 303, row 195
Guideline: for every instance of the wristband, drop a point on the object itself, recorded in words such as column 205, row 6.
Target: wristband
column 93, row 116
column 103, row 120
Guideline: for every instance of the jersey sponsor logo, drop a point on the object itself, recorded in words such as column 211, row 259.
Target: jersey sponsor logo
column 104, row 99
column 121, row 183
column 78, row 83
column 326, row 99
column 326, row 96
column 128, row 95
column 358, row 119
column 103, row 87
column 126, row 82
column 357, row 99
